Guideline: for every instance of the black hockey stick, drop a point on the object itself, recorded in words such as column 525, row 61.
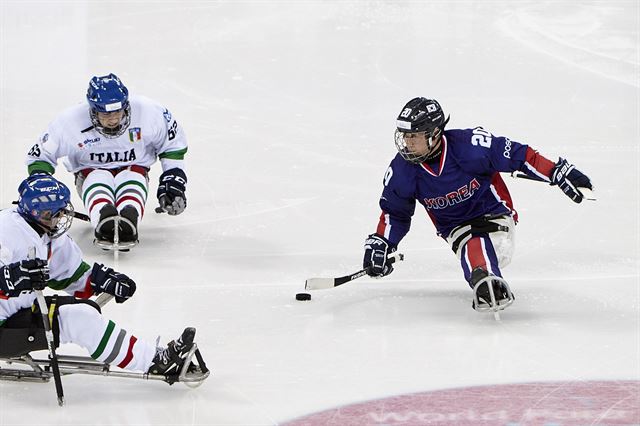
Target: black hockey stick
column 324, row 283
column 53, row 358
column 81, row 216
column 75, row 214
column 520, row 175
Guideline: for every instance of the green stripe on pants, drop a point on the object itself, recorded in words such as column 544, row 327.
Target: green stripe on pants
column 105, row 339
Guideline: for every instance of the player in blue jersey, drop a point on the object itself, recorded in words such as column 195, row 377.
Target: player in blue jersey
column 455, row 175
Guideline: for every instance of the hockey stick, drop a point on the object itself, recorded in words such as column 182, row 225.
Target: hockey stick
column 53, row 358
column 324, row 283
column 537, row 179
column 520, row 175
column 75, row 214
column 103, row 299
column 81, row 216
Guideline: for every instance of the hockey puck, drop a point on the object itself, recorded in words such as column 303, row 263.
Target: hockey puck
column 303, row 296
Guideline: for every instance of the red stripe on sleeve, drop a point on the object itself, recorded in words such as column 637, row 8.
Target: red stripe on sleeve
column 382, row 224
column 503, row 193
column 127, row 359
column 538, row 162
column 87, row 292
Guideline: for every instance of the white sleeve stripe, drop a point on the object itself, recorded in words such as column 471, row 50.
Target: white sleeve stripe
column 536, row 172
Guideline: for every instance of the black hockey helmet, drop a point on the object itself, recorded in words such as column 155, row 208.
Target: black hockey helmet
column 421, row 115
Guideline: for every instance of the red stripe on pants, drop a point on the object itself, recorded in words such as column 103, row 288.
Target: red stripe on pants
column 475, row 254
column 131, row 198
column 98, row 201
column 127, row 359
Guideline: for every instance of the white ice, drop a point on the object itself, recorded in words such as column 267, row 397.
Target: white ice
column 290, row 108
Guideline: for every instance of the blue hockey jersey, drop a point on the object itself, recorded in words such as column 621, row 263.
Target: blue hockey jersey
column 465, row 184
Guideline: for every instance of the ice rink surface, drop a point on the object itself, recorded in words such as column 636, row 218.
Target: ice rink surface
column 289, row 109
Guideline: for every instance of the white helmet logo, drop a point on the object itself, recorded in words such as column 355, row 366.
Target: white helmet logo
column 113, row 107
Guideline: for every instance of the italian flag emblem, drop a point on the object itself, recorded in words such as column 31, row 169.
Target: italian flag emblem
column 135, row 134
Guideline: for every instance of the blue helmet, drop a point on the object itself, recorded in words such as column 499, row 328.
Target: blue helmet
column 107, row 94
column 46, row 202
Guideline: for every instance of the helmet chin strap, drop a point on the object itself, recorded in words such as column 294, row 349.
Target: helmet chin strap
column 39, row 227
column 436, row 147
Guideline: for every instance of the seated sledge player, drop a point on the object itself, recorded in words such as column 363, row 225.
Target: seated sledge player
column 455, row 175
column 110, row 143
column 43, row 215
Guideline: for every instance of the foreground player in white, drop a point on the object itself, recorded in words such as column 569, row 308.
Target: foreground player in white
column 110, row 144
column 455, row 175
column 40, row 221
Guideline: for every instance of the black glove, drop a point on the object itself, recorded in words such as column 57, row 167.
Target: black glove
column 570, row 179
column 106, row 280
column 17, row 277
column 171, row 190
column 376, row 250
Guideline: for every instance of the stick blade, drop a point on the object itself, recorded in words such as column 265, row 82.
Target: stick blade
column 319, row 283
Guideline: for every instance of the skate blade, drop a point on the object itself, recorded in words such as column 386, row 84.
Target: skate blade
column 486, row 307
column 109, row 245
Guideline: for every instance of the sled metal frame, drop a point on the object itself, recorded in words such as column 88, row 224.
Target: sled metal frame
column 191, row 374
column 494, row 306
column 116, row 244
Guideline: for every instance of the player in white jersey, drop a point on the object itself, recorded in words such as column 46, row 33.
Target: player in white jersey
column 43, row 215
column 110, row 144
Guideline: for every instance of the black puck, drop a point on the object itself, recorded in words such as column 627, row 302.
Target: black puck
column 303, row 296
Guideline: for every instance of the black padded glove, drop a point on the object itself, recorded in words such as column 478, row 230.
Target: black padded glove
column 25, row 275
column 106, row 280
column 171, row 191
column 570, row 180
column 376, row 250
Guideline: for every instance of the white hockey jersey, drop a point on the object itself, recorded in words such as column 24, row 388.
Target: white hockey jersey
column 153, row 133
column 68, row 271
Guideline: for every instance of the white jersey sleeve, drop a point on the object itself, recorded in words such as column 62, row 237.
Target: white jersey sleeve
column 169, row 139
column 44, row 154
column 67, row 270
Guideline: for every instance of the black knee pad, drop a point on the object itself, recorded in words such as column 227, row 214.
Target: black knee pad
column 23, row 332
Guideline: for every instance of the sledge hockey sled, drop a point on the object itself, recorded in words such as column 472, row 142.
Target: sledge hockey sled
column 494, row 305
column 192, row 374
column 116, row 244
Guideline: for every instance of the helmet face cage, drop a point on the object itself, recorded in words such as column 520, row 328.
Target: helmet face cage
column 107, row 94
column 433, row 143
column 57, row 223
column 46, row 202
column 112, row 132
